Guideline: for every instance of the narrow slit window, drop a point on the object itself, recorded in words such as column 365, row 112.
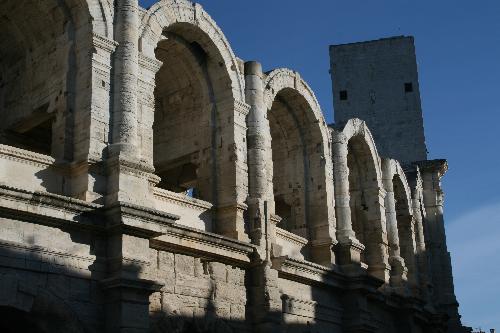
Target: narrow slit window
column 343, row 95
column 408, row 87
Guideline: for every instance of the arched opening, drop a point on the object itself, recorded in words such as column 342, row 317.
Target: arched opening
column 296, row 154
column 289, row 165
column 189, row 87
column 406, row 230
column 363, row 186
column 36, row 76
column 181, row 130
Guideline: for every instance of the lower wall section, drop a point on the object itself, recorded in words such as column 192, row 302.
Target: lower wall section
column 198, row 295
column 308, row 306
column 49, row 279
column 57, row 279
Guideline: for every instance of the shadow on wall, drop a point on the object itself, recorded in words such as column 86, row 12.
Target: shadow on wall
column 49, row 290
column 50, row 273
column 39, row 292
column 50, row 281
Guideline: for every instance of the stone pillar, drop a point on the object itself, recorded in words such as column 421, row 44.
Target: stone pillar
column 440, row 260
column 127, row 287
column 377, row 252
column 265, row 299
column 398, row 268
column 348, row 248
column 129, row 181
column 423, row 270
column 92, row 119
column 357, row 317
column 259, row 145
column 148, row 68
column 258, row 134
column 129, row 178
column 230, row 174
column 124, row 120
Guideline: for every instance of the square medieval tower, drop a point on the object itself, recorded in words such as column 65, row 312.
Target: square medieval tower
column 377, row 81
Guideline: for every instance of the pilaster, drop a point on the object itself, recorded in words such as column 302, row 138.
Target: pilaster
column 127, row 287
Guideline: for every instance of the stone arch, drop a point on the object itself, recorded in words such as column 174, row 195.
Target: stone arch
column 101, row 15
column 165, row 13
column 47, row 89
column 359, row 197
column 302, row 177
column 405, row 192
column 189, row 70
column 357, row 128
column 40, row 310
column 48, row 49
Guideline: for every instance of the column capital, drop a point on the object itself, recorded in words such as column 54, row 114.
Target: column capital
column 439, row 166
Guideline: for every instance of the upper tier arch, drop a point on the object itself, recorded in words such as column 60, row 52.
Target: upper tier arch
column 395, row 169
column 165, row 13
column 357, row 128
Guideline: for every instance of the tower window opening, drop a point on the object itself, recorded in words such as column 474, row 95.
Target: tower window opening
column 343, row 95
column 408, row 87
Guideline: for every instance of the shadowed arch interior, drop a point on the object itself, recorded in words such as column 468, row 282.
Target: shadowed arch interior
column 38, row 73
column 189, row 85
column 362, row 178
column 406, row 230
column 295, row 140
column 34, row 69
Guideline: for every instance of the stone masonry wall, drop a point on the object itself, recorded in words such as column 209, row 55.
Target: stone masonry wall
column 374, row 78
column 197, row 293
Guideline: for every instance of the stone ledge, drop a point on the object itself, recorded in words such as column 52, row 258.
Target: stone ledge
column 291, row 237
column 47, row 199
column 180, row 199
column 186, row 240
column 129, row 283
column 123, row 217
column 26, row 156
column 311, row 309
column 48, row 209
column 42, row 259
column 308, row 272
column 311, row 273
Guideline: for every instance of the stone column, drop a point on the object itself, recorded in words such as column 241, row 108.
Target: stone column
column 124, row 120
column 129, row 226
column 265, row 299
column 349, row 248
column 440, row 260
column 259, row 145
column 398, row 268
column 423, row 270
column 129, row 178
column 258, row 134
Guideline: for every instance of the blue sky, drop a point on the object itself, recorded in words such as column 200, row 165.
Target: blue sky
column 458, row 52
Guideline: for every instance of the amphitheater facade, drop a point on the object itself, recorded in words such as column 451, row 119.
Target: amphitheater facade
column 152, row 181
